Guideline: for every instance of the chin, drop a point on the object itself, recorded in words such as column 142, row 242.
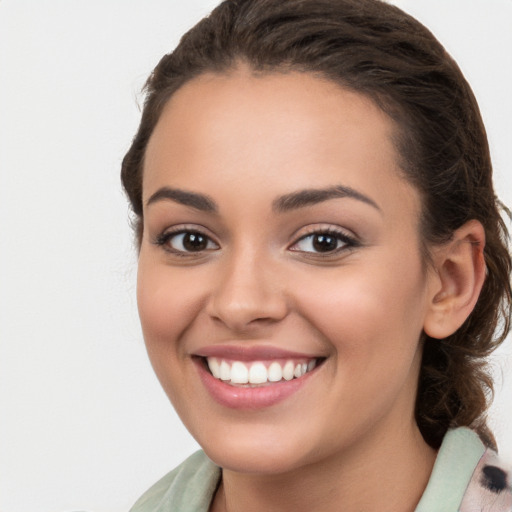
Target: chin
column 257, row 453
column 255, row 461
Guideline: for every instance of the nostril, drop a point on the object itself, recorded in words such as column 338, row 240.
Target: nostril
column 245, row 315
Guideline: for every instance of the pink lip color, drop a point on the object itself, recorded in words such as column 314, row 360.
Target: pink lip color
column 248, row 353
column 236, row 397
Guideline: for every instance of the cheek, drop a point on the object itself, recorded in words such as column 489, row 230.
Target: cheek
column 366, row 310
column 167, row 307
column 166, row 301
column 154, row 301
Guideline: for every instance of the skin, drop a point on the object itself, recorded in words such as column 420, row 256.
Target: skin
column 347, row 439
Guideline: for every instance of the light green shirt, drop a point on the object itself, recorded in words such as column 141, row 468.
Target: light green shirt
column 191, row 486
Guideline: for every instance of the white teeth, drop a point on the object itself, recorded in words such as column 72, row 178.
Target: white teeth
column 275, row 372
column 288, row 371
column 238, row 372
column 214, row 366
column 225, row 371
column 258, row 374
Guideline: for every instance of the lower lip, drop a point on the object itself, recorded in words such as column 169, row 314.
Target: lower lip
column 260, row 397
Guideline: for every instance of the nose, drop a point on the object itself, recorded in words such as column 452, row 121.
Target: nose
column 248, row 293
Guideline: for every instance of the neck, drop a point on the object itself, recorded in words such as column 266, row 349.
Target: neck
column 388, row 473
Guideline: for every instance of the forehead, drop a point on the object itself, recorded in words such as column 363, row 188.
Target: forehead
column 292, row 130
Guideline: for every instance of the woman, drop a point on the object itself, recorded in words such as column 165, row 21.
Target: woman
column 322, row 263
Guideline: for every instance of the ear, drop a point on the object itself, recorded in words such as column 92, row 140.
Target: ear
column 459, row 277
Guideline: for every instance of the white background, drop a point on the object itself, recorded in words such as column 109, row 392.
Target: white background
column 83, row 422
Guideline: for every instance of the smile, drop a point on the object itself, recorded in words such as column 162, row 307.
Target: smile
column 258, row 373
column 254, row 378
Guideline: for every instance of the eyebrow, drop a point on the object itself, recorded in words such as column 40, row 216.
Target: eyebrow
column 308, row 197
column 288, row 202
column 193, row 199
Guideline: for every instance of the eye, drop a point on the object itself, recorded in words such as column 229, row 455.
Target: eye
column 186, row 241
column 323, row 242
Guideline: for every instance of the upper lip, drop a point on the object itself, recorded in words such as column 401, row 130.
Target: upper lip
column 251, row 353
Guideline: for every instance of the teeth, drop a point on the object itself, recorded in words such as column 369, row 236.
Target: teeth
column 288, row 371
column 275, row 372
column 258, row 373
column 225, row 371
column 214, row 366
column 238, row 372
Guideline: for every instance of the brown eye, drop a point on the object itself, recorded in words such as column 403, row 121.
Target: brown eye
column 187, row 242
column 194, row 242
column 324, row 243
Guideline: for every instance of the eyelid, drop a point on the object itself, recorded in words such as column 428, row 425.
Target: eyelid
column 351, row 240
column 167, row 234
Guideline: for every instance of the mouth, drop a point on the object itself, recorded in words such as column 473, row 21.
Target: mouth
column 254, row 378
column 252, row 374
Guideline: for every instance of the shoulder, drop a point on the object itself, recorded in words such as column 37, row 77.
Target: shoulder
column 467, row 476
column 490, row 487
column 188, row 488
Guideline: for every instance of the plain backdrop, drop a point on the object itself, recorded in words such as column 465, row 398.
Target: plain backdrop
column 84, row 424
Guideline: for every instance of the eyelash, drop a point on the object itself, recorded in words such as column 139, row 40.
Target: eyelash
column 164, row 238
column 348, row 242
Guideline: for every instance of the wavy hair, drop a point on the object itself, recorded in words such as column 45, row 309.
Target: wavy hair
column 375, row 49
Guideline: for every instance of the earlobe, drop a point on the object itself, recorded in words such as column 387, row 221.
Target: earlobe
column 460, row 275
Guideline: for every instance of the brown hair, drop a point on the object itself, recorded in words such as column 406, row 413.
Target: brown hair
column 377, row 50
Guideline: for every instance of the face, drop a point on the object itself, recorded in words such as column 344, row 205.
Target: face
column 281, row 289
